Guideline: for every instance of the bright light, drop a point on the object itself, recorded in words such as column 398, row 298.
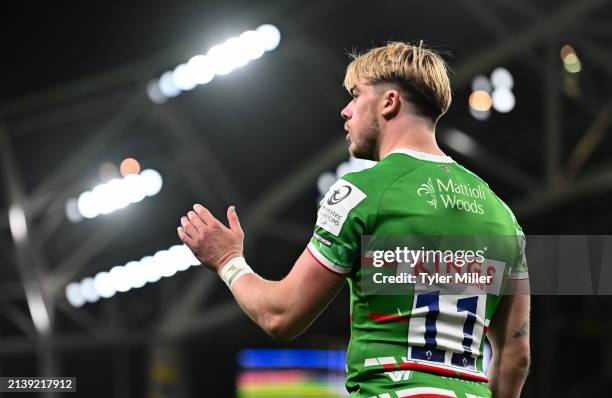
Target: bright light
column 572, row 63
column 325, row 181
column 151, row 269
column 72, row 211
column 88, row 290
column 73, row 294
column 103, row 195
column 129, row 166
column 167, row 85
column 220, row 60
column 237, row 52
column 201, row 69
column 460, row 142
column 480, row 101
column 87, row 205
column 136, row 278
column 133, row 275
column 565, row 51
column 270, row 36
column 17, row 222
column 154, row 92
column 103, row 285
column 182, row 77
column 135, row 188
column 164, row 259
column 480, row 115
column 502, row 78
column 481, row 83
column 118, row 193
column 152, row 181
column 120, row 279
column 503, row 100
column 107, row 171
column 252, row 45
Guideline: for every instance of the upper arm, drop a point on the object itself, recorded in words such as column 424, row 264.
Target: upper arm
column 510, row 325
column 307, row 290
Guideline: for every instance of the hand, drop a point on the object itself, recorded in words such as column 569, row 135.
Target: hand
column 210, row 241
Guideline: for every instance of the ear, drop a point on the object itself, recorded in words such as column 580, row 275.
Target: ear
column 391, row 103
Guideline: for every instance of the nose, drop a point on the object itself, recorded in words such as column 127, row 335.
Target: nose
column 346, row 112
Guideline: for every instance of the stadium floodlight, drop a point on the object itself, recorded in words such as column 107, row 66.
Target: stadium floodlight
column 327, row 179
column 133, row 275
column 115, row 194
column 167, row 86
column 481, row 83
column 503, row 100
column 495, row 93
column 73, row 295
column 220, row 59
column 88, row 291
column 502, row 78
column 183, row 78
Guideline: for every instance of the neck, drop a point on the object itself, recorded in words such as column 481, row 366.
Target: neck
column 408, row 132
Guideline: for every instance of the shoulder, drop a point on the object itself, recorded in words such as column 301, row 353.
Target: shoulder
column 374, row 180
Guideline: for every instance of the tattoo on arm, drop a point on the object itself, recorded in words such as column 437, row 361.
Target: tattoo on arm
column 523, row 331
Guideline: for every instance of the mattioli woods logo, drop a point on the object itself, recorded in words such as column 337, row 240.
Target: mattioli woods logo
column 452, row 195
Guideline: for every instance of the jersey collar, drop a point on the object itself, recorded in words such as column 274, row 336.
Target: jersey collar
column 423, row 156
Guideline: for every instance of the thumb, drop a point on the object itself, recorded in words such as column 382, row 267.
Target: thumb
column 232, row 218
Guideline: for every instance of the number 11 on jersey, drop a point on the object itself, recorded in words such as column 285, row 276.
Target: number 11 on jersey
column 446, row 329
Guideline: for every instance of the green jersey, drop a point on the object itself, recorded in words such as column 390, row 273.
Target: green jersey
column 416, row 194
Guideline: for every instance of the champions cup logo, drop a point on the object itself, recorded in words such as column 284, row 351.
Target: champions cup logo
column 453, row 195
column 339, row 194
column 428, row 190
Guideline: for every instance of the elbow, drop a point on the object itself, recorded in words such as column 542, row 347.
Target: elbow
column 520, row 359
column 280, row 329
column 523, row 361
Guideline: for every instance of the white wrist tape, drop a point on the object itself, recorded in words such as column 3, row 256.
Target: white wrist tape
column 233, row 270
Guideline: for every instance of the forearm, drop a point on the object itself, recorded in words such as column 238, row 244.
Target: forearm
column 265, row 302
column 507, row 373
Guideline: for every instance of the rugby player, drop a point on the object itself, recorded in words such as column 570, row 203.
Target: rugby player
column 417, row 345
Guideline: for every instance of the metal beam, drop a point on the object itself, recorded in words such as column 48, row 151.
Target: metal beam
column 547, row 199
column 566, row 16
column 552, row 116
column 187, row 136
column 18, row 218
column 69, row 267
column 589, row 141
column 462, row 143
column 96, row 143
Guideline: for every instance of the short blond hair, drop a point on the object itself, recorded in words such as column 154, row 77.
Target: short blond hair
column 420, row 72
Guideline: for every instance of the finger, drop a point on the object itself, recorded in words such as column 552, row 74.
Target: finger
column 188, row 227
column 205, row 215
column 232, row 218
column 185, row 238
column 196, row 221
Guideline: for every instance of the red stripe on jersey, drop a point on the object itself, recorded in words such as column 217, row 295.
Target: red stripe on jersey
column 486, row 329
column 323, row 265
column 369, row 261
column 441, row 371
column 389, row 318
column 425, row 396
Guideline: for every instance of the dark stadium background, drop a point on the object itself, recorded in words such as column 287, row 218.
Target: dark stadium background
column 75, row 72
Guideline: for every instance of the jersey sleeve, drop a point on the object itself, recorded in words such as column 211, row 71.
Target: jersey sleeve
column 341, row 221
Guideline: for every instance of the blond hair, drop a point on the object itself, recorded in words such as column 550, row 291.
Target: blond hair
column 420, row 72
